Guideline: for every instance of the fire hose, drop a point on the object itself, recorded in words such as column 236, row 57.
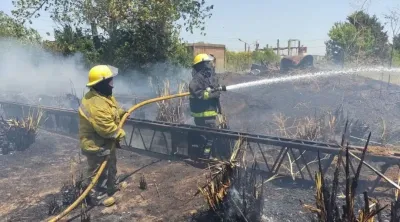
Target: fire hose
column 121, row 124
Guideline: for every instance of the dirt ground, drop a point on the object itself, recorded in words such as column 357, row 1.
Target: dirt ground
column 29, row 179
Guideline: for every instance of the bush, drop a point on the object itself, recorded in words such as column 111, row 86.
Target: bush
column 238, row 61
column 241, row 61
column 396, row 58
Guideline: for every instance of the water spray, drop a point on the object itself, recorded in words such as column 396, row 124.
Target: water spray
column 305, row 76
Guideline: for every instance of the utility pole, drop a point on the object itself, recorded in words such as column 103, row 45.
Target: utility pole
column 277, row 48
column 246, row 45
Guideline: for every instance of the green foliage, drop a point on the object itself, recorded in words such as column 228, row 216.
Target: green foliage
column 69, row 42
column 129, row 34
column 129, row 50
column 361, row 38
column 242, row 61
column 396, row 42
column 111, row 13
column 264, row 56
column 363, row 21
column 371, row 26
column 396, row 58
column 10, row 28
column 238, row 61
column 342, row 37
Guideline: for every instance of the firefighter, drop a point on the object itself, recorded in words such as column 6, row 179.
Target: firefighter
column 99, row 116
column 204, row 97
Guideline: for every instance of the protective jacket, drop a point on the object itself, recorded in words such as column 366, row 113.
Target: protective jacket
column 99, row 117
column 202, row 102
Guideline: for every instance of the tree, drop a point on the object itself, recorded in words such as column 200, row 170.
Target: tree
column 11, row 28
column 111, row 13
column 264, row 56
column 126, row 33
column 69, row 41
column 396, row 42
column 370, row 25
column 342, row 41
column 393, row 19
column 365, row 22
column 361, row 37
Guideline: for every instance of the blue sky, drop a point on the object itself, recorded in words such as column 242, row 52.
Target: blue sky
column 264, row 20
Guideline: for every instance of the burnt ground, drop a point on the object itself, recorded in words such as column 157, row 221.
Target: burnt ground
column 29, row 179
column 253, row 109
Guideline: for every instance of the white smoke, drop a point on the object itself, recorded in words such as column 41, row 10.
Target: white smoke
column 30, row 71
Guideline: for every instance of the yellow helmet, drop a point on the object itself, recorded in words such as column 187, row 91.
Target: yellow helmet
column 202, row 58
column 99, row 73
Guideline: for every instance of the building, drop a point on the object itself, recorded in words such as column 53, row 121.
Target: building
column 217, row 50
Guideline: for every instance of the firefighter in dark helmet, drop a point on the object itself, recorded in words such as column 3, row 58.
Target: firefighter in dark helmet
column 204, row 97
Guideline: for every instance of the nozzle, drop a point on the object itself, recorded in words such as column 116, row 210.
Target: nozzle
column 220, row 88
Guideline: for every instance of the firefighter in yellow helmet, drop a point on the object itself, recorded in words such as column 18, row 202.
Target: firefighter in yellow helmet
column 99, row 116
column 204, row 101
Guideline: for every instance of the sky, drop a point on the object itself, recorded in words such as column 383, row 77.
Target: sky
column 264, row 21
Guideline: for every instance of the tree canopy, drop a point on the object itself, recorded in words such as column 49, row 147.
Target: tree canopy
column 10, row 28
column 396, row 42
column 361, row 37
column 129, row 34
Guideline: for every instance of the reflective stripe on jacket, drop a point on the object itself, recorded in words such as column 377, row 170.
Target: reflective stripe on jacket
column 210, row 113
column 202, row 102
column 99, row 117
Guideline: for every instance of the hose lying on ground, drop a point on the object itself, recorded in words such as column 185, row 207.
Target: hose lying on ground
column 103, row 165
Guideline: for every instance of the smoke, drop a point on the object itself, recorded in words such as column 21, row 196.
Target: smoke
column 146, row 85
column 31, row 71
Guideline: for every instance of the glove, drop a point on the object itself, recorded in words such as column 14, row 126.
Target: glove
column 121, row 134
column 215, row 94
column 118, row 145
column 103, row 152
column 208, row 89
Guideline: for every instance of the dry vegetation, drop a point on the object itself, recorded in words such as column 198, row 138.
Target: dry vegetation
column 233, row 189
column 19, row 134
column 325, row 127
column 69, row 192
column 327, row 208
column 219, row 179
column 172, row 110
